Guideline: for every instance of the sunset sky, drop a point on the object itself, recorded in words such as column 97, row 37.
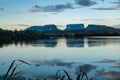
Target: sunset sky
column 24, row 13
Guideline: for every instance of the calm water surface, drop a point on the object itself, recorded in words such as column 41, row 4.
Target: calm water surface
column 98, row 56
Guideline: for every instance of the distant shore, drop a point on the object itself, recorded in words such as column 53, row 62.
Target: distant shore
column 28, row 35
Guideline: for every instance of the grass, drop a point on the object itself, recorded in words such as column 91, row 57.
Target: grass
column 11, row 73
column 12, row 68
column 80, row 76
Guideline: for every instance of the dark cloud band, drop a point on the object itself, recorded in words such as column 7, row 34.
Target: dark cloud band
column 2, row 9
column 51, row 8
column 86, row 2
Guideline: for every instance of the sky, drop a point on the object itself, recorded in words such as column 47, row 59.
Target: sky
column 20, row 14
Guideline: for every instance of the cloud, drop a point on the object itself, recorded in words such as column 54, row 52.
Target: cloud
column 117, row 26
column 51, row 8
column 101, row 8
column 95, row 19
column 16, row 25
column 2, row 9
column 113, row 7
column 23, row 25
column 116, row 6
column 115, row 2
column 11, row 11
column 86, row 2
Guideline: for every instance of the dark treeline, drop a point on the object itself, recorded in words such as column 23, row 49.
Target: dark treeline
column 106, row 32
column 29, row 35
column 8, row 35
column 82, row 33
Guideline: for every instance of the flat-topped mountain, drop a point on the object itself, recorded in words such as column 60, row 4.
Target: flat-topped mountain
column 98, row 27
column 74, row 27
column 69, row 27
column 43, row 28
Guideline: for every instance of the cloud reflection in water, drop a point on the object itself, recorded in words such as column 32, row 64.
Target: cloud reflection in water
column 85, row 68
column 111, row 74
column 54, row 62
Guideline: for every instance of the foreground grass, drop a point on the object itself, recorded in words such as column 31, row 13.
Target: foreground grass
column 11, row 73
column 80, row 76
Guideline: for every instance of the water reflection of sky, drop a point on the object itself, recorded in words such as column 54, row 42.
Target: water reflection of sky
column 97, row 56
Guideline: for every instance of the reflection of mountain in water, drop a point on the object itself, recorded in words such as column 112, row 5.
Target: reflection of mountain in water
column 46, row 42
column 78, row 42
column 103, row 41
column 6, row 43
column 75, row 42
column 70, row 42
column 16, row 43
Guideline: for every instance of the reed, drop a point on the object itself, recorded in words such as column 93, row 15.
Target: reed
column 11, row 72
column 80, row 76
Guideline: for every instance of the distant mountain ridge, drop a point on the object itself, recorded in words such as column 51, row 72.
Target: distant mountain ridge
column 74, row 27
column 69, row 27
column 98, row 27
column 44, row 28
